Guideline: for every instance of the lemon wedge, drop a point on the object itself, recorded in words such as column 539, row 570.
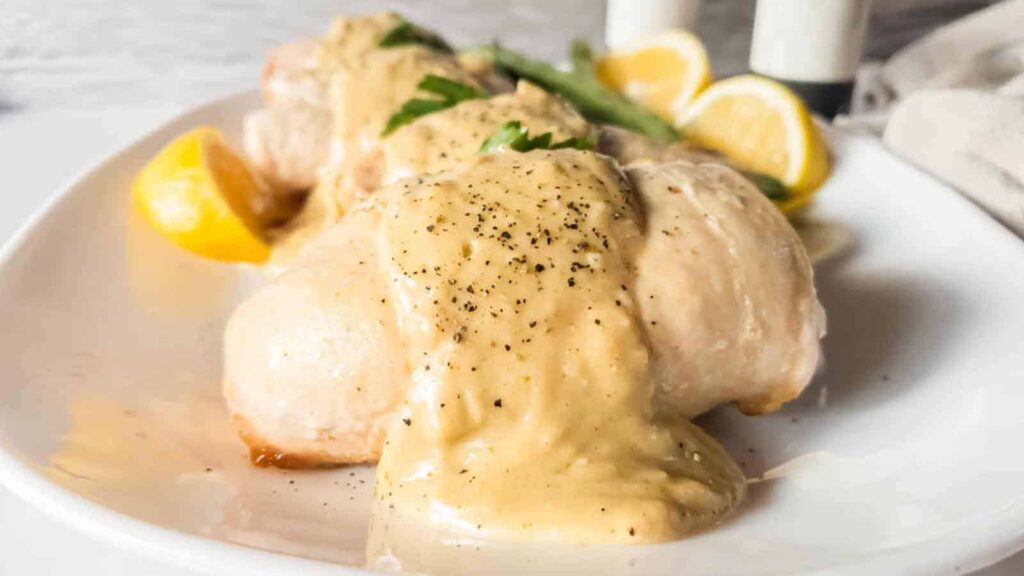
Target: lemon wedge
column 762, row 127
column 662, row 72
column 198, row 192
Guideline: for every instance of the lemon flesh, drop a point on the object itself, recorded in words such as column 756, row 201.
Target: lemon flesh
column 761, row 126
column 197, row 192
column 663, row 72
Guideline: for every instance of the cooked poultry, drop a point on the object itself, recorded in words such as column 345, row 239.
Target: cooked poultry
column 327, row 101
column 288, row 140
column 632, row 149
column 530, row 378
column 432, row 143
column 333, row 96
column 727, row 291
column 314, row 362
column 447, row 138
column 288, row 143
column 511, row 280
column 722, row 282
column 519, row 337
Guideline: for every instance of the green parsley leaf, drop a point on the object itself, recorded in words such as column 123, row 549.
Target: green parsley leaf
column 450, row 91
column 542, row 142
column 581, row 87
column 407, row 33
column 412, row 110
column 514, row 136
column 507, row 134
column 770, row 186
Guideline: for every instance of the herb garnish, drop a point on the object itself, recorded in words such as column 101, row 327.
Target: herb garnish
column 450, row 91
column 580, row 86
column 408, row 33
column 514, row 136
column 770, row 186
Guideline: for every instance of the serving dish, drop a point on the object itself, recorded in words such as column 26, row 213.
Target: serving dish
column 899, row 457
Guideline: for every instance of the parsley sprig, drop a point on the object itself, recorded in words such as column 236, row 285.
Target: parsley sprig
column 514, row 136
column 450, row 92
column 408, row 33
column 580, row 86
column 771, row 187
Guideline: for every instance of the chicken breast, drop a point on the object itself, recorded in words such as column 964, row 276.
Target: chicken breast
column 726, row 290
column 328, row 99
column 530, row 414
column 314, row 362
column 445, row 139
column 292, row 73
column 288, row 140
column 634, row 149
column 430, row 144
column 365, row 93
column 287, row 144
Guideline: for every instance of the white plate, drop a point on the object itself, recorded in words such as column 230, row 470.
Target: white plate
column 903, row 456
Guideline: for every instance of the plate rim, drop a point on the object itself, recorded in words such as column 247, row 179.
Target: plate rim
column 123, row 530
column 207, row 554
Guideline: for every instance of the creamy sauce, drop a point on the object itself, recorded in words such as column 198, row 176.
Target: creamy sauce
column 365, row 85
column 109, row 443
column 530, row 411
column 448, row 138
column 372, row 87
column 171, row 457
column 545, row 340
column 429, row 144
column 353, row 37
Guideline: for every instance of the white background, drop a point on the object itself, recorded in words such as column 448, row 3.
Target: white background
column 80, row 78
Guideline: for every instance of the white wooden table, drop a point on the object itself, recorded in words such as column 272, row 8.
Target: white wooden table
column 80, row 78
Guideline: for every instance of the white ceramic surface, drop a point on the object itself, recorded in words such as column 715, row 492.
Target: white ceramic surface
column 901, row 457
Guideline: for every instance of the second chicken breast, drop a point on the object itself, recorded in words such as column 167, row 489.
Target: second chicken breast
column 315, row 364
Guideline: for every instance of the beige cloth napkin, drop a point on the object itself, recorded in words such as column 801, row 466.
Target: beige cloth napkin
column 953, row 104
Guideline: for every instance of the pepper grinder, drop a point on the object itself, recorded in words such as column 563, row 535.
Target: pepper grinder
column 812, row 46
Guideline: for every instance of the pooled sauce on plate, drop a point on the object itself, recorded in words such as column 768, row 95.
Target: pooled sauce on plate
column 530, row 410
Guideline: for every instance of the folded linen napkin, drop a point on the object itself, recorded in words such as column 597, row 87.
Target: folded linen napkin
column 972, row 139
column 953, row 104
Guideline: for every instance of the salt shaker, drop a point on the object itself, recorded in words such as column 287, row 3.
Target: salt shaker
column 628, row 20
column 813, row 46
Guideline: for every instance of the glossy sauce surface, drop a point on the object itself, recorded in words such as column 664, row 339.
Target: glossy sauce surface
column 530, row 414
column 446, row 139
column 367, row 84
